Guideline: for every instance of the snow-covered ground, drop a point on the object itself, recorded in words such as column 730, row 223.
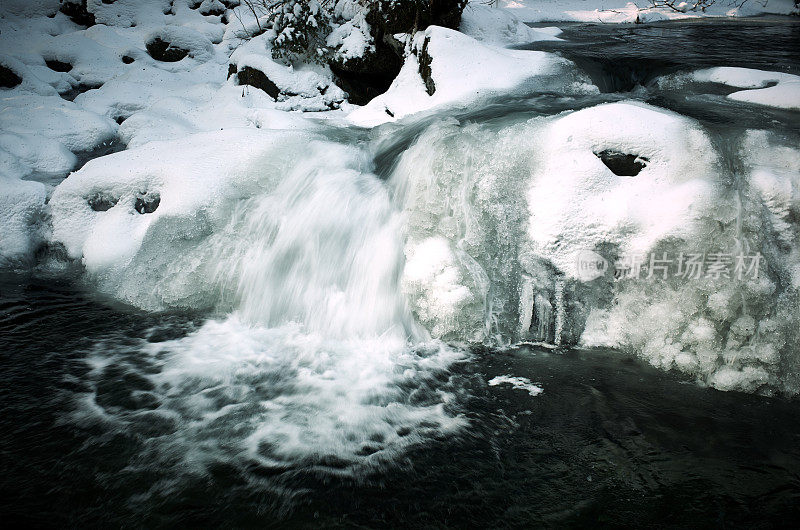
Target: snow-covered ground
column 615, row 11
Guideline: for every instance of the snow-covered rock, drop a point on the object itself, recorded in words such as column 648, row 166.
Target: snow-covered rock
column 54, row 118
column 22, row 207
column 168, row 256
column 461, row 71
column 577, row 203
column 307, row 89
column 501, row 27
column 774, row 89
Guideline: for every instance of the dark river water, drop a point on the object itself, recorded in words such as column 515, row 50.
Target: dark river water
column 609, row 442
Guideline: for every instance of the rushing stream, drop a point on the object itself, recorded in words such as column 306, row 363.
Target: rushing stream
column 292, row 368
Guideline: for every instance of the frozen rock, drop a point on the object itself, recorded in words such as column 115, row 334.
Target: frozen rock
column 449, row 68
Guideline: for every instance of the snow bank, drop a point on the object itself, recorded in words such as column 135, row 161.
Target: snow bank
column 22, row 205
column 577, row 203
column 616, row 11
column 31, row 8
column 784, row 92
column 463, row 70
column 501, row 27
column 54, row 118
column 308, row 89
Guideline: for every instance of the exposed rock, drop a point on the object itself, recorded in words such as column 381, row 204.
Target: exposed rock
column 363, row 78
column 101, row 202
column 425, row 71
column 232, row 69
column 147, row 203
column 164, row 51
column 367, row 77
column 391, row 17
column 58, row 66
column 258, row 79
column 622, row 164
column 127, row 59
column 77, row 12
column 212, row 8
column 8, row 78
column 75, row 91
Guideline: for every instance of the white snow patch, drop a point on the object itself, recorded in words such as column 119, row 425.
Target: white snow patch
column 22, row 205
column 519, row 383
column 784, row 94
column 501, row 27
column 616, row 11
column 54, row 118
column 576, row 202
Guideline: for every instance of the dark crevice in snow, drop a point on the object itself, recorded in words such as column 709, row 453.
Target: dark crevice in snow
column 258, row 79
column 77, row 12
column 58, row 66
column 622, row 164
column 77, row 90
column 113, row 145
column 147, row 203
column 163, row 51
column 101, row 202
column 8, row 78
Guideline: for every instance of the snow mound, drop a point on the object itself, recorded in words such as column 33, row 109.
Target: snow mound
column 31, row 8
column 501, row 27
column 306, row 89
column 26, row 154
column 619, row 11
column 55, row 118
column 22, row 206
column 462, row 70
column 577, row 202
column 784, row 91
column 130, row 13
column 196, row 45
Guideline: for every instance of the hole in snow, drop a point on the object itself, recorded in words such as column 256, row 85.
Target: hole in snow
column 147, row 203
column 8, row 79
column 58, row 66
column 101, row 202
column 163, row 51
column 622, row 164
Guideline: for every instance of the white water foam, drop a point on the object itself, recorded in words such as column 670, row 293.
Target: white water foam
column 319, row 362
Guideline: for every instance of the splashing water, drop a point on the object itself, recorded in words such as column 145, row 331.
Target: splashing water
column 320, row 361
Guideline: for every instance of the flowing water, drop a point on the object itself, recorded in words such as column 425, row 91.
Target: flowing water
column 311, row 392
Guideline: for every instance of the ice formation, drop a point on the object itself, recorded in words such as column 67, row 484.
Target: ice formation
column 493, row 240
column 784, row 91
